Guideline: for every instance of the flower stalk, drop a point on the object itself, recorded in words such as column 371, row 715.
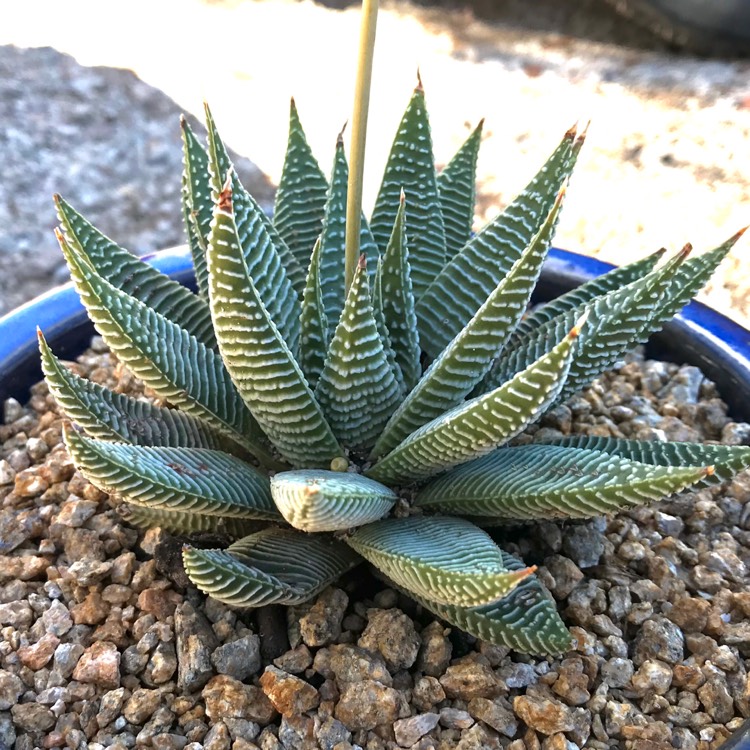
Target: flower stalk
column 359, row 137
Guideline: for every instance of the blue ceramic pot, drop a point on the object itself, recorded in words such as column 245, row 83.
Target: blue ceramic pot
column 698, row 336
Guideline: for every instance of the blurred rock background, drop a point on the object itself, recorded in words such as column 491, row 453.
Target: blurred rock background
column 90, row 95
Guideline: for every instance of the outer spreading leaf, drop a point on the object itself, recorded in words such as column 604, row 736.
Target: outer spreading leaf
column 357, row 389
column 333, row 239
column 197, row 208
column 276, row 274
column 301, row 196
column 615, row 335
column 397, row 301
column 134, row 277
column 192, row 480
column 619, row 319
column 313, row 343
column 113, row 416
column 467, row 280
column 576, row 298
column 178, row 367
column 188, row 523
column 468, row 358
column 274, row 566
column 690, row 279
column 317, row 500
column 448, row 560
column 458, row 192
column 526, row 620
column 263, row 368
column 411, row 168
column 480, row 425
column 544, row 481
column 726, row 460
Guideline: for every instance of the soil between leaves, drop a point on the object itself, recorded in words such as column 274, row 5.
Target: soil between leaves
column 102, row 645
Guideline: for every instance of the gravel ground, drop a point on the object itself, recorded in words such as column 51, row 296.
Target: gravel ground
column 664, row 163
column 103, row 645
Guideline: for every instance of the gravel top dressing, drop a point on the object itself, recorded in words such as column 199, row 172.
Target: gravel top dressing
column 104, row 645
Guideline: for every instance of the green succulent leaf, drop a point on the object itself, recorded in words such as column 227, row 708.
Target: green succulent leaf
column 261, row 364
column 334, row 239
column 178, row 367
column 690, row 279
column 134, row 277
column 481, row 424
column 385, row 336
column 526, row 620
column 534, row 482
column 107, row 415
column 273, row 566
column 188, row 523
column 468, row 279
column 411, row 168
column 357, row 389
column 314, row 336
column 276, row 274
column 192, row 480
column 317, row 500
column 301, row 196
column 458, row 192
column 397, row 301
column 468, row 358
column 725, row 460
column 619, row 320
column 612, row 336
column 447, row 560
column 197, row 208
column 578, row 297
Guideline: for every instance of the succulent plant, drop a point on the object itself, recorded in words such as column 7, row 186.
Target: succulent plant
column 320, row 426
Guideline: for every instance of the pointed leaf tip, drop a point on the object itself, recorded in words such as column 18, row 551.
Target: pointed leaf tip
column 362, row 262
column 686, row 250
column 419, row 87
column 710, row 471
column 517, row 576
column 575, row 331
column 225, row 196
column 581, row 136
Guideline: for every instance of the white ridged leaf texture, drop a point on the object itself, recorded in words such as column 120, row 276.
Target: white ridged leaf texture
column 317, row 500
column 134, row 277
column 357, row 389
column 468, row 358
column 192, row 480
column 537, row 482
column 273, row 566
column 178, row 367
column 107, row 415
column 457, row 188
column 262, row 367
column 301, row 196
column 480, row 425
column 411, row 168
column 467, row 280
column 446, row 560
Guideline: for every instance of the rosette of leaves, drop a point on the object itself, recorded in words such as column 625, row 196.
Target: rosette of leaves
column 319, row 426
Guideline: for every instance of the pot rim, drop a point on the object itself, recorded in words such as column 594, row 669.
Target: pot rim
column 698, row 335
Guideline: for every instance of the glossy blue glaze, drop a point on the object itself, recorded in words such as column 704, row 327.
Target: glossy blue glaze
column 698, row 336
